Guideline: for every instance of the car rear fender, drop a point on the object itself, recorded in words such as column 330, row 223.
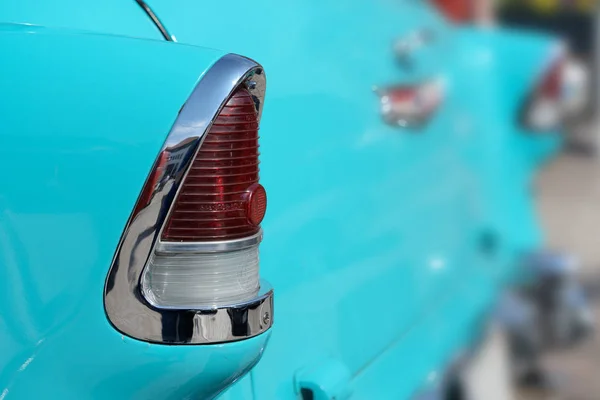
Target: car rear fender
column 82, row 120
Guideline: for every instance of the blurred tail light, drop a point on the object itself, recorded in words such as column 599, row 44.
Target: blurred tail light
column 543, row 110
column 410, row 106
column 456, row 10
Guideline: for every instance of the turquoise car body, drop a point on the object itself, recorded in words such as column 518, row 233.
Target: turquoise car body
column 386, row 246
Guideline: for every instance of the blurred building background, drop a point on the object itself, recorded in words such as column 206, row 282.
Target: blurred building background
column 569, row 204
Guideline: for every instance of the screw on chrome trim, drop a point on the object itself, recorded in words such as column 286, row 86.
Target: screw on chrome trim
column 266, row 318
column 251, row 85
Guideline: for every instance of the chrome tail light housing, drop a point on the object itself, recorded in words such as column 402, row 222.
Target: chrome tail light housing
column 187, row 268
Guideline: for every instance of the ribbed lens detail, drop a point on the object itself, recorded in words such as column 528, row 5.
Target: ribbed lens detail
column 212, row 204
column 202, row 280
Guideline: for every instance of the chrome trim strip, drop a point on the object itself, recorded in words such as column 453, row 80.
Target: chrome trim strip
column 126, row 307
column 163, row 30
column 208, row 247
column 405, row 47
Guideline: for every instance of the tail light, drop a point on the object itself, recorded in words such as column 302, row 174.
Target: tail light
column 220, row 201
column 187, row 267
column 543, row 110
column 410, row 106
column 150, row 186
column 456, row 10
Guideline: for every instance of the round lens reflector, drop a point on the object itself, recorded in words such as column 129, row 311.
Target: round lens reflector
column 256, row 205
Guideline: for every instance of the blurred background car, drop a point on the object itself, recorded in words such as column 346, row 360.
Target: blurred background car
column 567, row 192
column 575, row 22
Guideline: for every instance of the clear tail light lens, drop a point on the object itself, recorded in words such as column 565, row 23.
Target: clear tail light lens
column 186, row 280
column 544, row 108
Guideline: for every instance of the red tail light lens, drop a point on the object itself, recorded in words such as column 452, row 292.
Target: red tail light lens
column 551, row 86
column 455, row 10
column 221, row 198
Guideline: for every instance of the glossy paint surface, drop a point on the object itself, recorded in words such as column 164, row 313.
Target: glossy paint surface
column 386, row 246
column 79, row 132
column 114, row 17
